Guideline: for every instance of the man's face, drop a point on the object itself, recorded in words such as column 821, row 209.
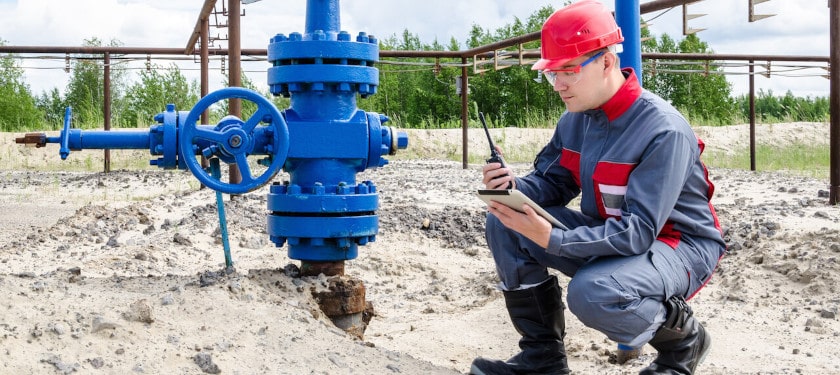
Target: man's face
column 579, row 82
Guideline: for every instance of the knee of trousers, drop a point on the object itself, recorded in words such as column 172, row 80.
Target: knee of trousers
column 499, row 237
column 591, row 299
column 602, row 303
column 597, row 299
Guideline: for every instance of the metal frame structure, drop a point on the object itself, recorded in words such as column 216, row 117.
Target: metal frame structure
column 234, row 52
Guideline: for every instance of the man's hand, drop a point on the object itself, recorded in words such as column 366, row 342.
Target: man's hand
column 497, row 177
column 529, row 224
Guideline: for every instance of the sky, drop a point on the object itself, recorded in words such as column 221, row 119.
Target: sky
column 800, row 27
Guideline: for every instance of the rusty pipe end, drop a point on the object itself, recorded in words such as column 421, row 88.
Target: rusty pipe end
column 37, row 139
column 308, row 268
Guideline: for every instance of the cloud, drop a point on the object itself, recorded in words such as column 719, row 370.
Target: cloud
column 799, row 28
column 803, row 24
column 435, row 19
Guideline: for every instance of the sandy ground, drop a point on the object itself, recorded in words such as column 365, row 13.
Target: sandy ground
column 122, row 272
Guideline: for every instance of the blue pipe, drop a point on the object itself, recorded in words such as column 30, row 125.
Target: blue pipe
column 78, row 139
column 628, row 18
column 322, row 15
column 627, row 15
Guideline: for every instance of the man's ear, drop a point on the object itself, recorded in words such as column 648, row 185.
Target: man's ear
column 610, row 59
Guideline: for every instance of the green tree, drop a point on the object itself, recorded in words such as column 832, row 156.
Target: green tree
column 53, row 106
column 514, row 95
column 222, row 109
column 701, row 92
column 86, row 90
column 771, row 108
column 157, row 87
column 454, row 45
column 652, row 77
column 18, row 110
column 422, row 92
column 417, row 92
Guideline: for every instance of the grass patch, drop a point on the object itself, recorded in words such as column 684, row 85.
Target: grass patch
column 796, row 158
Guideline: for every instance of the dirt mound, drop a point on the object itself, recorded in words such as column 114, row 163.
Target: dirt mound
column 124, row 272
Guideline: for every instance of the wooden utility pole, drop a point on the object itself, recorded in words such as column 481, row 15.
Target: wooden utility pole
column 834, row 101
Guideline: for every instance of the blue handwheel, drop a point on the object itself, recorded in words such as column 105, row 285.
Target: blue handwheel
column 233, row 140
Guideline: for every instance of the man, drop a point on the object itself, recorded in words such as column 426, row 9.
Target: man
column 646, row 237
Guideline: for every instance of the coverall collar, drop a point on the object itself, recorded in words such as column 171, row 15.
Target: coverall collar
column 624, row 97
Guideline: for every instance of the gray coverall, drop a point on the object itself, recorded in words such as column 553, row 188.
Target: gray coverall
column 646, row 229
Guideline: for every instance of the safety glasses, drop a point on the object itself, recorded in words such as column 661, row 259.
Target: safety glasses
column 568, row 76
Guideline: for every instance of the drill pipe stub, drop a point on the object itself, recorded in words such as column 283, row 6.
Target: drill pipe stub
column 344, row 303
column 317, row 268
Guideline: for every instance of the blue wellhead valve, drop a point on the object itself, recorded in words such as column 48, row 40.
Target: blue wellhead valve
column 322, row 140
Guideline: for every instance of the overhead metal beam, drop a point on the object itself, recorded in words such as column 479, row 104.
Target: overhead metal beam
column 755, row 17
column 479, row 52
column 657, row 5
column 687, row 30
column 204, row 14
column 122, row 50
column 727, row 56
column 648, row 7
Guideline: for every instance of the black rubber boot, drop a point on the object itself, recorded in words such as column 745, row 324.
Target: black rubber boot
column 682, row 341
column 537, row 314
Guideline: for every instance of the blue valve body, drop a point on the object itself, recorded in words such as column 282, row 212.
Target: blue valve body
column 322, row 213
column 323, row 140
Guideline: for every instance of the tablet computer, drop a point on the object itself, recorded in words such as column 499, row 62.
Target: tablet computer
column 515, row 199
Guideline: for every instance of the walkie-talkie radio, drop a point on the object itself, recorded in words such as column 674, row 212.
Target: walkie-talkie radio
column 495, row 157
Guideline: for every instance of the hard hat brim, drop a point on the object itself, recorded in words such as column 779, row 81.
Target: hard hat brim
column 546, row 64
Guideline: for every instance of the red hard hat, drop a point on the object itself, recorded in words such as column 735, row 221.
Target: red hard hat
column 575, row 30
